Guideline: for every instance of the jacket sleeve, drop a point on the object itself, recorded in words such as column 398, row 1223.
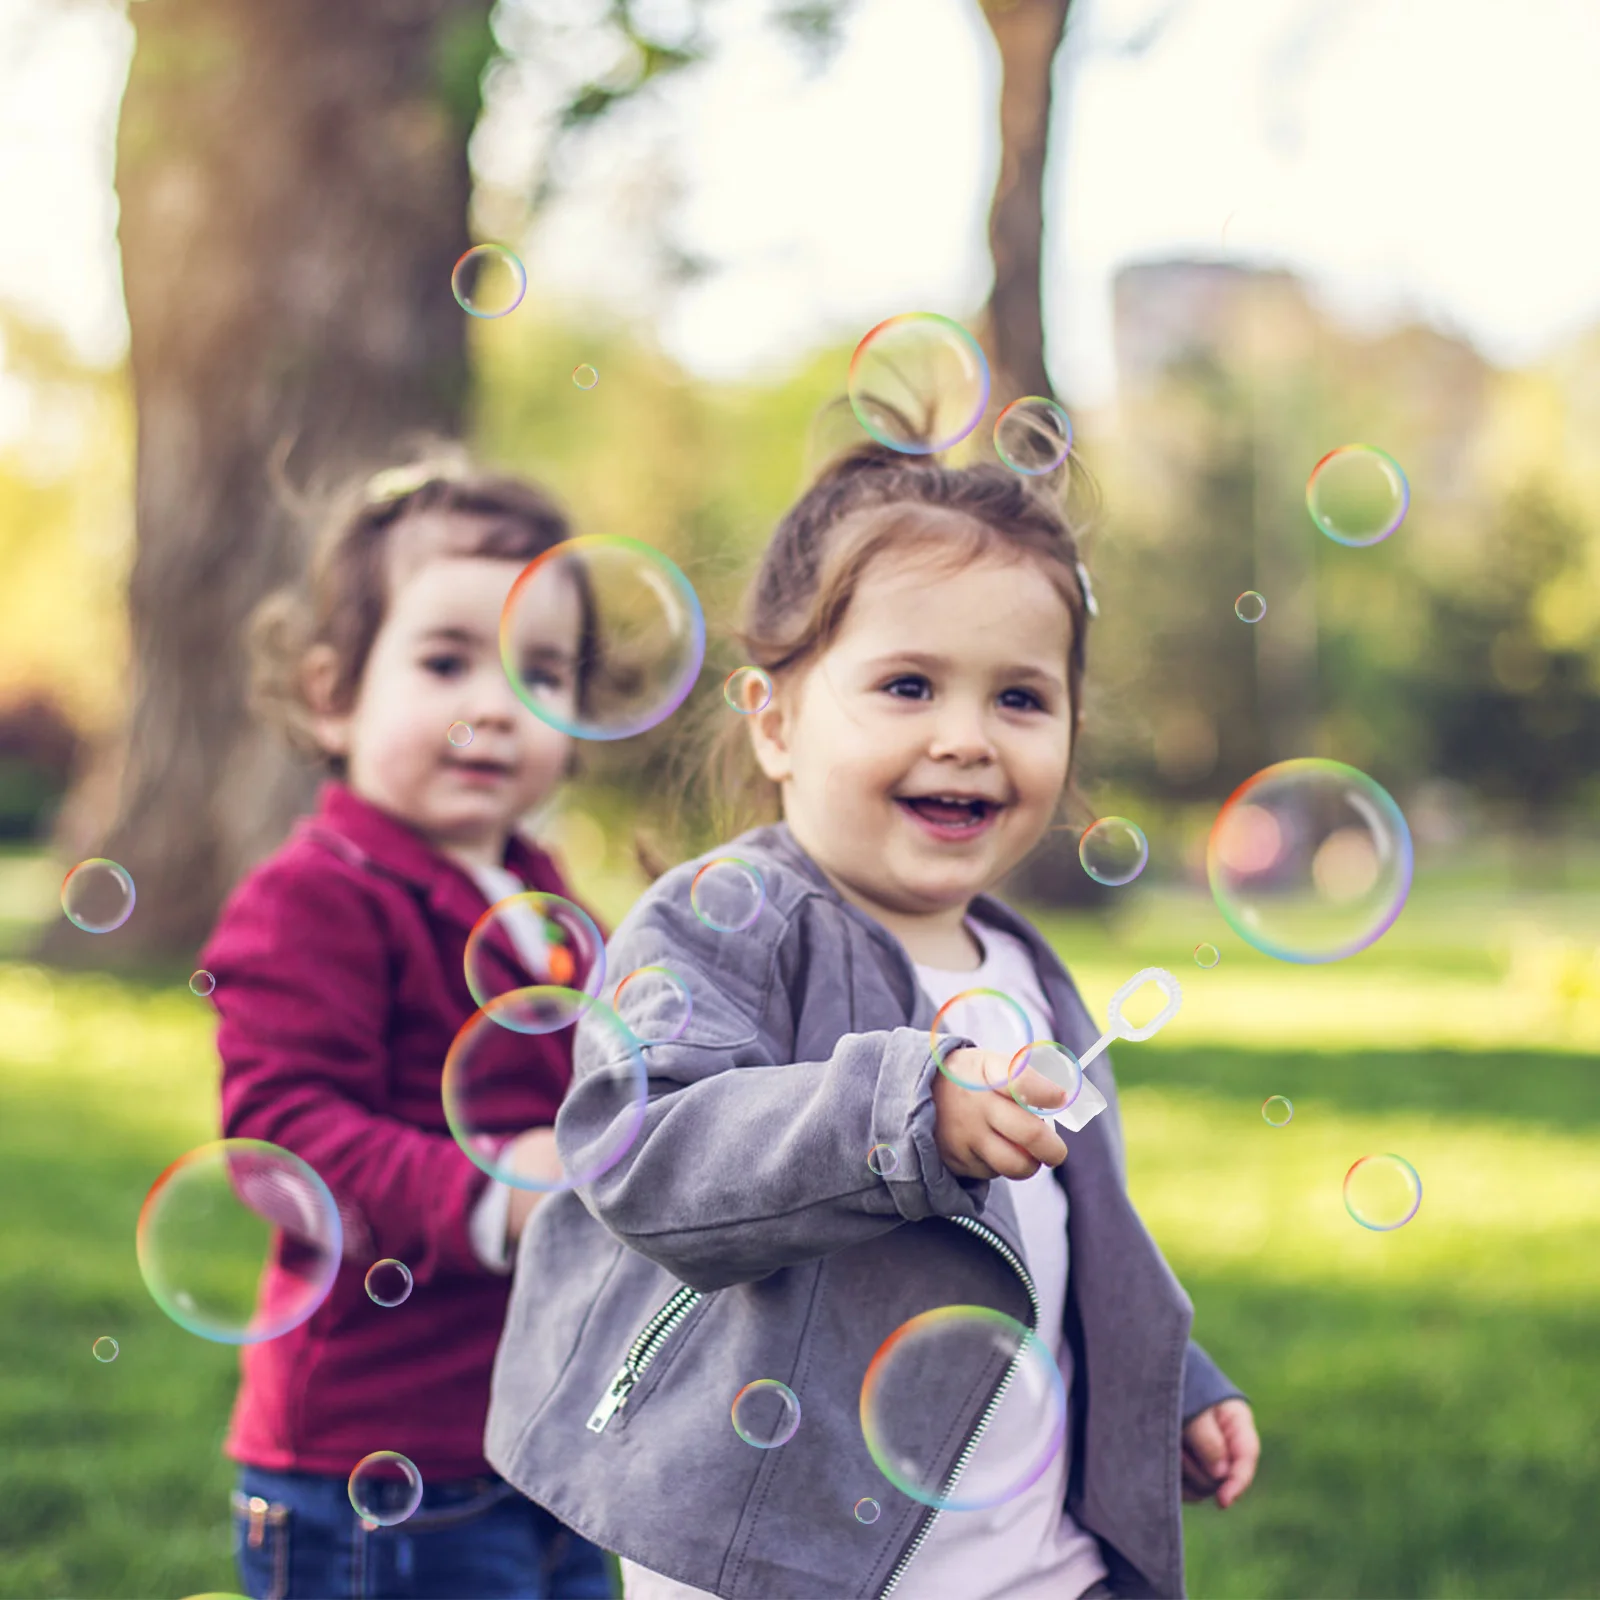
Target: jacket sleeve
column 304, row 994
column 1204, row 1383
column 746, row 1160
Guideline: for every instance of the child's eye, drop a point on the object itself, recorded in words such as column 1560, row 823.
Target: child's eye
column 445, row 664
column 1021, row 700
column 540, row 676
column 909, row 686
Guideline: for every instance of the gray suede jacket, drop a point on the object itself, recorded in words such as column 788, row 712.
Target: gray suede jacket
column 743, row 1236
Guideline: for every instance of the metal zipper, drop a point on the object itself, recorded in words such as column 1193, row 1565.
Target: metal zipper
column 641, row 1353
column 1014, row 1261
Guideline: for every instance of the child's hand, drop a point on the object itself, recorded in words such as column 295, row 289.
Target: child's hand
column 1220, row 1452
column 531, row 1155
column 988, row 1135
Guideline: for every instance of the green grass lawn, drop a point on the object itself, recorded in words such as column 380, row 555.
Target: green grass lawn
column 1427, row 1397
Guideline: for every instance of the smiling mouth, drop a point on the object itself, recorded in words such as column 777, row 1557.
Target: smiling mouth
column 952, row 813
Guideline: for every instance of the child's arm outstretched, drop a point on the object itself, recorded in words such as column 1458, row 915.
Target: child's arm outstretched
column 749, row 1160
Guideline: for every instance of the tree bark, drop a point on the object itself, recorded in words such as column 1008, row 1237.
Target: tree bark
column 294, row 187
column 1028, row 34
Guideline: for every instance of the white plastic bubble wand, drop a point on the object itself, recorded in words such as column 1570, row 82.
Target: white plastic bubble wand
column 1086, row 1101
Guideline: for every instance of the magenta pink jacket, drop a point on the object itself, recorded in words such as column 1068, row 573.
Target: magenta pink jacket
column 340, row 987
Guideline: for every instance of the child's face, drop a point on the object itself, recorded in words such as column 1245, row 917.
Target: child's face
column 436, row 661
column 922, row 755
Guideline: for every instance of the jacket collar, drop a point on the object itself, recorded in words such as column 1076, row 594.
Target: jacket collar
column 376, row 839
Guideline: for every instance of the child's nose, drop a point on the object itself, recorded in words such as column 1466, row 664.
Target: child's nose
column 962, row 734
column 492, row 700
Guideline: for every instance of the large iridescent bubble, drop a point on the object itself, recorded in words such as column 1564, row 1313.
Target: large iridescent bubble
column 1310, row 861
column 919, row 383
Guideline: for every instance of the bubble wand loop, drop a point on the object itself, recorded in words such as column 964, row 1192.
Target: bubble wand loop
column 1117, row 1024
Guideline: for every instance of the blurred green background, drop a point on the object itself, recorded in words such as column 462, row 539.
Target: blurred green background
column 1426, row 1397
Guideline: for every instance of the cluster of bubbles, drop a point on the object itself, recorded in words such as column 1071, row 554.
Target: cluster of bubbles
column 766, row 1413
column 385, row 1488
column 97, row 895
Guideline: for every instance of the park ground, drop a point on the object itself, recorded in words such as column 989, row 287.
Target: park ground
column 1426, row 1397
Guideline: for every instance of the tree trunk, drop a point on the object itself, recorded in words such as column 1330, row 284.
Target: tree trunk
column 1028, row 33
column 294, row 187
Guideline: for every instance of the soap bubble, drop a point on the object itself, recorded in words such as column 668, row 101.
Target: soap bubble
column 1113, row 851
column 1276, row 1110
column 489, row 281
column 1250, row 606
column 994, row 1022
column 459, row 734
column 106, row 1348
column 929, row 1384
column 1382, row 1192
column 748, row 689
column 490, row 1078
column 918, row 383
column 1357, row 495
column 213, row 1217
column 1032, row 436
column 727, row 894
column 202, row 982
column 527, row 953
column 585, row 376
column 385, row 1488
column 883, row 1159
column 602, row 637
column 1310, row 861
column 766, row 1413
column 1206, row 955
column 655, row 1003
column 97, row 895
column 1055, row 1062
column 868, row 1510
column 388, row 1282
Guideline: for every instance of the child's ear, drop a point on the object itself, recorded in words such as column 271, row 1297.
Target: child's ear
column 319, row 678
column 769, row 737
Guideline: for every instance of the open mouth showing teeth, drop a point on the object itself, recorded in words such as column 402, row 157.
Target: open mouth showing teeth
column 950, row 810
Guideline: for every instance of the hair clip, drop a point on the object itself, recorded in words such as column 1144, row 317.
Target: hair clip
column 1088, row 591
column 395, row 483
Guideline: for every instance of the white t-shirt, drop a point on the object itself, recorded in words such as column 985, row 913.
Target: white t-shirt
column 1027, row 1548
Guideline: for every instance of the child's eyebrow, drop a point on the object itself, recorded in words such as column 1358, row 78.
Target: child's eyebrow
column 451, row 635
column 924, row 661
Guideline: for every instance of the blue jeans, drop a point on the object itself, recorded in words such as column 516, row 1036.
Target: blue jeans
column 297, row 1537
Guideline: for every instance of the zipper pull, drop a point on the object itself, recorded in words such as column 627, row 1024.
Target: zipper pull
column 613, row 1400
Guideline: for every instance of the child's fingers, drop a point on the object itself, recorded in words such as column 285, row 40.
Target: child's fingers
column 1032, row 1088
column 1036, row 1135
column 1003, row 1158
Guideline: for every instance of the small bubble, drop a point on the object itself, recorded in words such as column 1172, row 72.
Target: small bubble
column 585, row 376
column 459, row 734
column 97, row 895
column 883, row 1159
column 1113, row 851
column 388, row 1282
column 766, row 1413
column 1277, row 1111
column 727, row 894
column 747, row 690
column 202, row 982
column 1382, row 1192
column 385, row 1488
column 1206, row 955
column 1250, row 606
column 868, row 1510
column 1032, row 436
column 106, row 1348
column 488, row 281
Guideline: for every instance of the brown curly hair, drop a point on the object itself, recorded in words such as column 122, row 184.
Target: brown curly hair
column 371, row 535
